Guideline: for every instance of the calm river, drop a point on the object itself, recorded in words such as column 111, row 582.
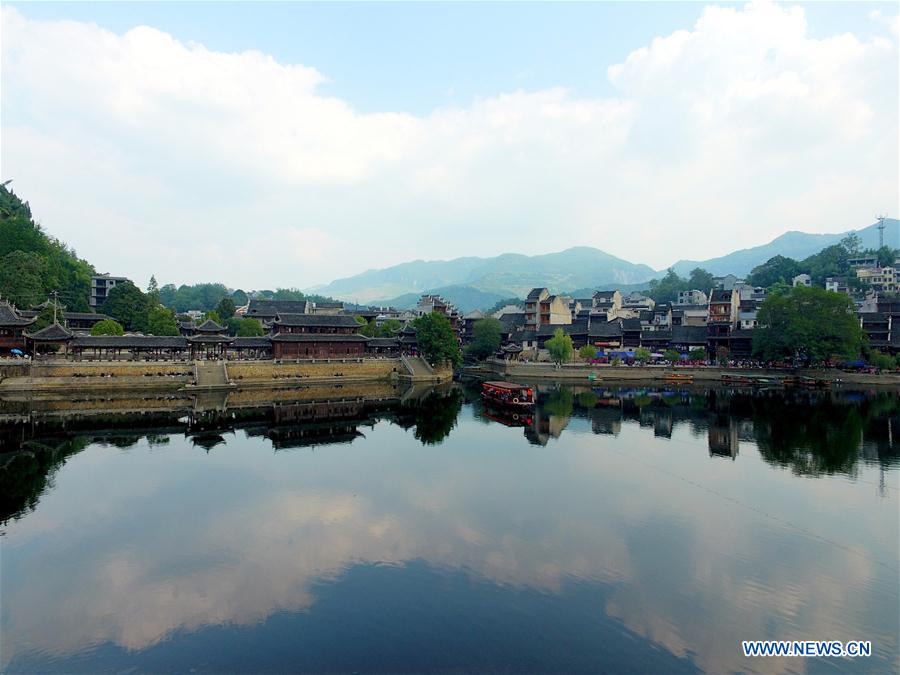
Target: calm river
column 636, row 530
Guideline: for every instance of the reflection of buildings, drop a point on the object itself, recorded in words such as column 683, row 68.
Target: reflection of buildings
column 547, row 424
column 606, row 421
column 724, row 437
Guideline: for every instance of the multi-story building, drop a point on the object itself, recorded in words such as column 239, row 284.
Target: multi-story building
column 727, row 282
column 802, row 280
column 543, row 309
column 724, row 308
column 863, row 261
column 606, row 303
column 636, row 302
column 881, row 279
column 101, row 285
column 692, row 297
column 837, row 285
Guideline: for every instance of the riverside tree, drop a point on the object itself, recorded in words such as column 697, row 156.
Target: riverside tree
column 107, row 327
column 161, row 321
column 485, row 338
column 808, row 323
column 244, row 327
column 128, row 305
column 587, row 352
column 225, row 308
column 436, row 339
column 560, row 346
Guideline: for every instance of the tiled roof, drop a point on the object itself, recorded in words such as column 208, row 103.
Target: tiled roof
column 605, row 328
column 10, row 317
column 535, row 293
column 210, row 326
column 130, row 341
column 656, row 336
column 273, row 307
column 689, row 334
column 317, row 337
column 251, row 342
column 383, row 342
column 330, row 320
column 209, row 339
column 52, row 332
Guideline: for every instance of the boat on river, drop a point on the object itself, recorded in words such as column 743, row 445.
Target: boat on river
column 678, row 377
column 508, row 394
column 815, row 382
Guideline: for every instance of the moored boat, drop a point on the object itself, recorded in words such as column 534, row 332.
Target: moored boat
column 508, row 394
column 815, row 382
column 678, row 377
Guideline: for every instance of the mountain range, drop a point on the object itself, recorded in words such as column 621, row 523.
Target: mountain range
column 478, row 283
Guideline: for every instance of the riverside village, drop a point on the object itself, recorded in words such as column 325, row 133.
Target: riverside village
column 728, row 328
column 558, row 338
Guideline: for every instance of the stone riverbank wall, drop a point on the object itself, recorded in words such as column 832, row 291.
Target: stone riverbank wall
column 159, row 375
column 707, row 375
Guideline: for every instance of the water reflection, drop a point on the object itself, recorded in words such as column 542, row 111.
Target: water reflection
column 602, row 531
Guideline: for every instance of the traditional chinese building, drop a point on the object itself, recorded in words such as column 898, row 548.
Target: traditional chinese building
column 210, row 341
column 12, row 328
column 311, row 336
column 49, row 339
column 267, row 310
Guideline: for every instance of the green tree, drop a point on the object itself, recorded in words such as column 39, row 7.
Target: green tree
column 367, row 328
column 389, row 328
column 128, row 305
column 701, row 280
column 671, row 356
column 239, row 298
column 831, row 261
column 107, row 327
column 851, row 243
column 667, row 288
column 485, row 338
column 153, row 291
column 51, row 310
column 288, row 294
column 587, row 352
column 774, row 270
column 881, row 361
column 560, row 346
column 886, row 255
column 21, row 278
column 697, row 354
column 248, row 327
column 161, row 321
column 212, row 315
column 807, row 323
column 642, row 354
column 61, row 270
column 436, row 339
column 225, row 308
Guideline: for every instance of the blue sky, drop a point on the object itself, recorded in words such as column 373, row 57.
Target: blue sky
column 346, row 136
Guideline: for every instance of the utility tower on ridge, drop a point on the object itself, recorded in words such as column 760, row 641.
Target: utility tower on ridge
column 880, row 231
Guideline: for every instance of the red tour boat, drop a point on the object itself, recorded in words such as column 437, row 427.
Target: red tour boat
column 508, row 394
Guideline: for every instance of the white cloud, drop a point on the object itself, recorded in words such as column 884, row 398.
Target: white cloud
column 720, row 137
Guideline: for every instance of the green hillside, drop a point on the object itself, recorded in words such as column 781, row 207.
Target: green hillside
column 33, row 264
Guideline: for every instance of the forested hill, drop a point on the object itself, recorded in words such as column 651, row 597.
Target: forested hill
column 33, row 264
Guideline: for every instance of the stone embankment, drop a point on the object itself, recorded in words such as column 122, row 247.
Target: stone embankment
column 580, row 372
column 161, row 375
